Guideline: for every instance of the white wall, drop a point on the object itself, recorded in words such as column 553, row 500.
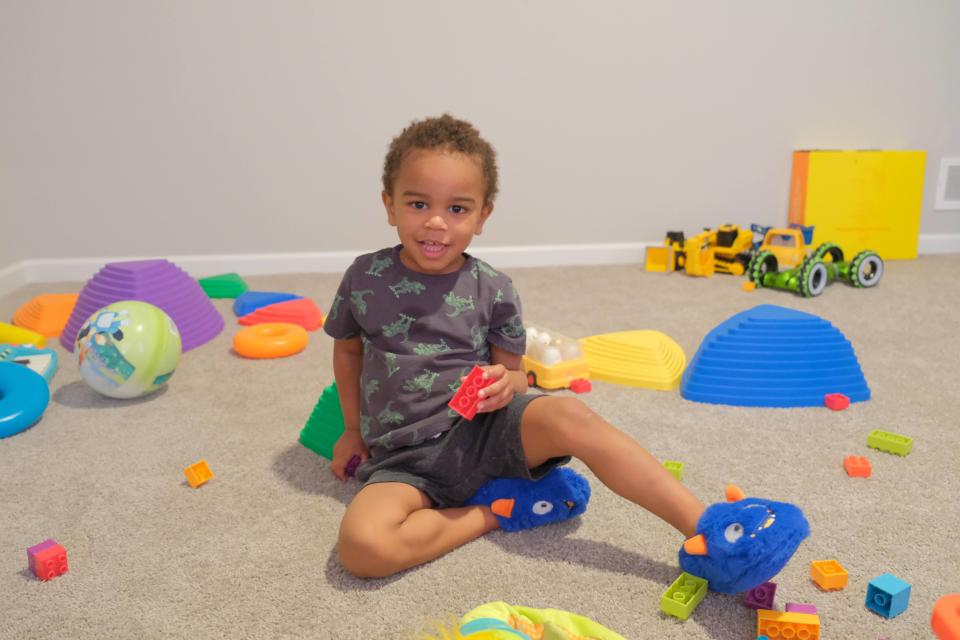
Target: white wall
column 209, row 127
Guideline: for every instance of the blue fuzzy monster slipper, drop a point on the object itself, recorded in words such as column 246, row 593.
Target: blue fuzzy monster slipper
column 743, row 542
column 521, row 504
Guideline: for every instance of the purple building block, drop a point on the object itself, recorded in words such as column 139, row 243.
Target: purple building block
column 799, row 607
column 351, row 468
column 760, row 597
column 159, row 282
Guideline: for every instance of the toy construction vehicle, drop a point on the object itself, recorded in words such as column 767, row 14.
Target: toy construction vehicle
column 722, row 250
column 815, row 272
column 788, row 245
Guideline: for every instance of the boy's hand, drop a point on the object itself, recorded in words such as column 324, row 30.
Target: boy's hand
column 499, row 393
column 350, row 444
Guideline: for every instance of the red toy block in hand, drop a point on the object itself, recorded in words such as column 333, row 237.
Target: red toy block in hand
column 836, row 401
column 857, row 466
column 47, row 559
column 465, row 400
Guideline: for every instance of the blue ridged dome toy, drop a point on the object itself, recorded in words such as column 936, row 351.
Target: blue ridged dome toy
column 771, row 356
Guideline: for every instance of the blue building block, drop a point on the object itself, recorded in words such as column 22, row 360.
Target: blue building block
column 771, row 356
column 250, row 301
column 888, row 595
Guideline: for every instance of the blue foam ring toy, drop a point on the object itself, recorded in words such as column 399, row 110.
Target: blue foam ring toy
column 24, row 396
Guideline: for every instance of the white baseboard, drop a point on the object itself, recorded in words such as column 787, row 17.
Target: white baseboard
column 82, row 269
column 939, row 243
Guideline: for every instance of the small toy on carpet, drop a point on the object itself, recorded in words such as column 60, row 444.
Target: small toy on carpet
column 521, row 504
column 501, row 621
column 743, row 542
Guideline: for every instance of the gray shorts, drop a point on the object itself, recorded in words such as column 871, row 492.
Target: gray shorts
column 451, row 467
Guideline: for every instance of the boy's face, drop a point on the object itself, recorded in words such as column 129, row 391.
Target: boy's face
column 437, row 206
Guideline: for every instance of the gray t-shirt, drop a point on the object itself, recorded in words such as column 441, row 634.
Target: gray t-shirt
column 420, row 333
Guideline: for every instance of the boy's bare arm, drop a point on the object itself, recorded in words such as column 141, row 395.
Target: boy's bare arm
column 506, row 370
column 347, row 366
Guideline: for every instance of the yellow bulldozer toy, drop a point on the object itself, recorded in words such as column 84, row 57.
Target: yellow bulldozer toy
column 722, row 250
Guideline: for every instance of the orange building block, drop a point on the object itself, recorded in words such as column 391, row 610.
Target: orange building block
column 945, row 621
column 857, row 466
column 198, row 473
column 781, row 624
column 829, row 575
column 748, row 285
column 47, row 314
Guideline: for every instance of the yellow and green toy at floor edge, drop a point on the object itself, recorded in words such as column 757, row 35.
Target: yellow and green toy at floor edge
column 501, row 621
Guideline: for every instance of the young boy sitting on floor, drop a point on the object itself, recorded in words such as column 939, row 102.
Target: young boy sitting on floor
column 409, row 322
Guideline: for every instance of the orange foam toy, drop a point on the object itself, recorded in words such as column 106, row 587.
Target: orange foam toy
column 270, row 340
column 829, row 574
column 301, row 311
column 945, row 620
column 47, row 314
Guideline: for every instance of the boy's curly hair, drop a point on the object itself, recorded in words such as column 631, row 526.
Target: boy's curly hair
column 446, row 133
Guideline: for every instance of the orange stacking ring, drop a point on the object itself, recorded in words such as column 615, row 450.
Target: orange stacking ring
column 270, row 340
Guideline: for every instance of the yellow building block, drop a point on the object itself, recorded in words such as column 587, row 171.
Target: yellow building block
column 828, row 574
column 9, row 334
column 780, row 624
column 860, row 199
column 198, row 473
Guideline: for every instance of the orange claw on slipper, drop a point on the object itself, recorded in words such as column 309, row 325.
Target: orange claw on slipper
column 502, row 507
column 696, row 546
column 734, row 493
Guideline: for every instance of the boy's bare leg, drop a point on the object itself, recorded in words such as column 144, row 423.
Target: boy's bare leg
column 553, row 427
column 391, row 526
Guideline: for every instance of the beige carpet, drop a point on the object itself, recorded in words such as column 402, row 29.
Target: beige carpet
column 252, row 553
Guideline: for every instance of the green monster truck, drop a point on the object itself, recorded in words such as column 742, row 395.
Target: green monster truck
column 822, row 267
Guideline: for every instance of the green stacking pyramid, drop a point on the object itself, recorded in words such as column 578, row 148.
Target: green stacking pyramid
column 325, row 424
column 226, row 285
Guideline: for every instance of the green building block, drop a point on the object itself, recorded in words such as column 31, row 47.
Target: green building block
column 890, row 442
column 683, row 596
column 325, row 424
column 226, row 285
column 675, row 468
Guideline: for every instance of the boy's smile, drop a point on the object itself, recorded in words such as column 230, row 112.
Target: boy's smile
column 437, row 205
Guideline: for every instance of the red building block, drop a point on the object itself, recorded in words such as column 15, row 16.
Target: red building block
column 836, row 401
column 465, row 400
column 47, row 559
column 580, row 385
column 857, row 466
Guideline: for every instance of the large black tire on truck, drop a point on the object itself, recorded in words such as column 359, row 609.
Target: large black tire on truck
column 866, row 269
column 814, row 277
column 761, row 264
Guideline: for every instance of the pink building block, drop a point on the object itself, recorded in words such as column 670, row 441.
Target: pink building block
column 465, row 400
column 47, row 559
column 799, row 607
